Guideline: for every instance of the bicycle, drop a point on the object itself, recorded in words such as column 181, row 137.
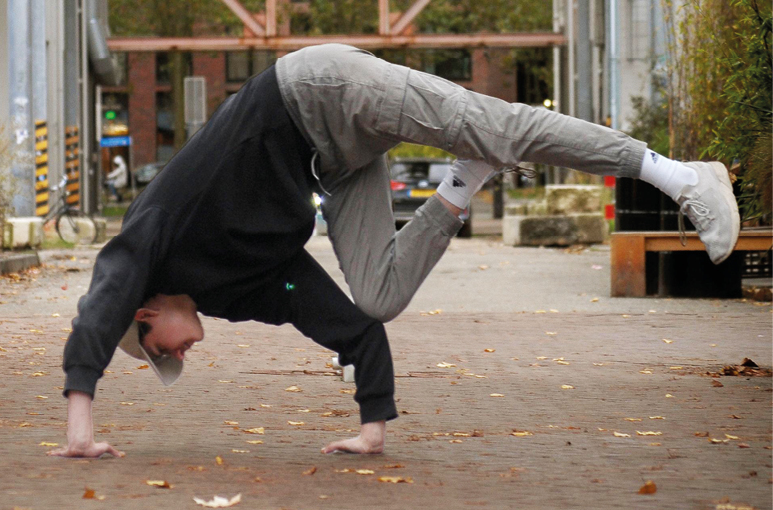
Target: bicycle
column 73, row 225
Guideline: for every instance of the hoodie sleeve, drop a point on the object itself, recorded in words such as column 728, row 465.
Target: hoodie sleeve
column 119, row 283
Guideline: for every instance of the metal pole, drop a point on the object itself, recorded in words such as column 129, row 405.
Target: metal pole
column 584, row 62
column 572, row 107
column 23, row 169
column 614, row 104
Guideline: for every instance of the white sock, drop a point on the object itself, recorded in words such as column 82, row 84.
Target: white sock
column 465, row 178
column 667, row 175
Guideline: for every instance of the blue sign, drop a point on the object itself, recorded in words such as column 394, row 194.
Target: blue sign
column 115, row 141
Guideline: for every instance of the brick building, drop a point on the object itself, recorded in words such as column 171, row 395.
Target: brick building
column 143, row 101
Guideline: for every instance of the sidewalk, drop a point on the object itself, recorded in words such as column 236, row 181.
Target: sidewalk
column 491, row 320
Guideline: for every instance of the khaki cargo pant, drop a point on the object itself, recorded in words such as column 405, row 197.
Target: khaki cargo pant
column 352, row 107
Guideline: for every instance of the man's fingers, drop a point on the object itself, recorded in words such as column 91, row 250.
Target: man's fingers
column 106, row 448
column 59, row 452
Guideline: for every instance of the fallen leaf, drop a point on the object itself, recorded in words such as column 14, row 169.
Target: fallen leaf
column 731, row 437
column 718, row 441
column 310, row 471
column 489, row 350
column 256, row 430
column 668, row 395
column 598, row 364
column 347, row 392
column 649, row 487
column 161, row 484
column 522, row 433
column 242, row 345
column 717, row 384
column 455, row 441
column 265, row 405
column 701, row 434
column 88, row 494
column 562, row 363
column 445, row 365
column 42, row 397
column 296, row 423
column 229, row 422
column 645, row 371
column 293, row 389
column 496, row 395
column 461, row 434
column 594, row 300
column 551, row 333
column 553, row 310
column 143, row 367
column 632, row 419
column 39, row 374
column 258, row 441
column 743, row 445
column 620, row 434
column 393, row 466
column 540, row 311
column 364, row 471
column 657, row 417
column 675, row 368
column 394, row 479
column 219, row 460
column 648, row 433
column 567, row 387
column 239, row 451
column 224, row 381
column 666, row 340
column 219, row 501
column 542, row 357
column 655, row 444
column 483, row 267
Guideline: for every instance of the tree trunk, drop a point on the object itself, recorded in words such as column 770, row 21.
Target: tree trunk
column 178, row 98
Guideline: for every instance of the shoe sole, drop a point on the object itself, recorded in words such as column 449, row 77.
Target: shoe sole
column 720, row 170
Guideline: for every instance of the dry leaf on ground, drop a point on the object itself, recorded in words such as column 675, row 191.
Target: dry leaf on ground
column 648, row 433
column 293, row 389
column 364, row 471
column 310, row 471
column 496, row 395
column 395, row 479
column 649, row 487
column 567, row 387
column 620, row 434
column 256, row 430
column 219, row 501
column 161, row 484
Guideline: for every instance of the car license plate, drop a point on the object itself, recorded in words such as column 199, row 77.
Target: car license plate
column 422, row 193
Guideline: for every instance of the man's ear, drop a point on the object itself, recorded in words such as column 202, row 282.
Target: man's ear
column 144, row 314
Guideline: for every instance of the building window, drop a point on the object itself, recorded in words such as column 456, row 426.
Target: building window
column 164, row 67
column 241, row 65
column 164, row 126
column 453, row 65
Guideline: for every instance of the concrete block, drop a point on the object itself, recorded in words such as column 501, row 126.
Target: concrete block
column 15, row 262
column 554, row 230
column 570, row 199
column 537, row 209
column 591, row 228
column 101, row 225
column 24, row 232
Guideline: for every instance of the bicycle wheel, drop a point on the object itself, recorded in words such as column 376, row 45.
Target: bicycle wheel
column 76, row 227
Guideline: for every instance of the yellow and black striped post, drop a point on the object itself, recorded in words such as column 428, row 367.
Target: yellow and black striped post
column 41, row 168
column 72, row 164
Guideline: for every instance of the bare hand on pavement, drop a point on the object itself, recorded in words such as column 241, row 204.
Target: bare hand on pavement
column 92, row 450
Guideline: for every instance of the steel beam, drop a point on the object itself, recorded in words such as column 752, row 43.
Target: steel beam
column 409, row 16
column 383, row 17
column 245, row 16
column 290, row 43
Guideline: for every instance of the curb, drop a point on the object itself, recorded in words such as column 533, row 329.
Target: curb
column 18, row 262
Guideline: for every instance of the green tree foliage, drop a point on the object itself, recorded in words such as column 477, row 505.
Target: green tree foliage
column 744, row 135
column 719, row 92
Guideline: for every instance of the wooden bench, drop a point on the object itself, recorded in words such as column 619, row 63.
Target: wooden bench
column 629, row 253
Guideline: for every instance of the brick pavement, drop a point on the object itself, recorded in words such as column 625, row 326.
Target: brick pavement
column 611, row 351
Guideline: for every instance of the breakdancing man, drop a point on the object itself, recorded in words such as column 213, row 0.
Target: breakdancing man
column 221, row 230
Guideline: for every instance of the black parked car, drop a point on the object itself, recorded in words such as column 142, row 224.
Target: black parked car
column 414, row 180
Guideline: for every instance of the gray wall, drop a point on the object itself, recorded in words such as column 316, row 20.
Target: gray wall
column 4, row 92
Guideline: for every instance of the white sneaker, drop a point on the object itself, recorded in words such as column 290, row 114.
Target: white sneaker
column 712, row 208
